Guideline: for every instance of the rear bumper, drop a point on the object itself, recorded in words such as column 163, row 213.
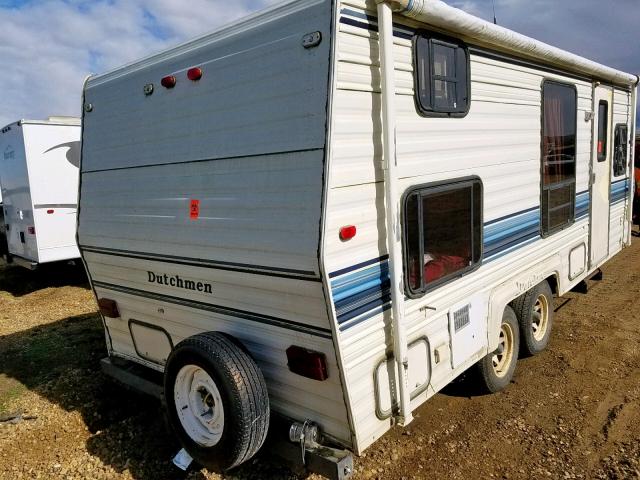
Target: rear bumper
column 21, row 262
column 332, row 463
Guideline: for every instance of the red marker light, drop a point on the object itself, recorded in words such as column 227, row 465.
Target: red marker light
column 348, row 232
column 194, row 74
column 169, row 81
column 307, row 363
column 108, row 308
column 49, row 212
column 31, row 230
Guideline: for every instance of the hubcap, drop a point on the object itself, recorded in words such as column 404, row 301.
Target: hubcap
column 540, row 320
column 503, row 355
column 199, row 405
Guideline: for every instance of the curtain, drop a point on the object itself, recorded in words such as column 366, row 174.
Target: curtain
column 554, row 146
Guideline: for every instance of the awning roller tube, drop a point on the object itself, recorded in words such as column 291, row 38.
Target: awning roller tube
column 443, row 16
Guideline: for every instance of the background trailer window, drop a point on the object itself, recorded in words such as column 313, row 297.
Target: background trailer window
column 443, row 233
column 559, row 124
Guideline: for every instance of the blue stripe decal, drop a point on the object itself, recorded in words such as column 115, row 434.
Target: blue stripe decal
column 363, row 291
column 506, row 232
column 358, row 266
column 583, row 202
column 367, row 296
column 376, row 311
column 511, row 215
column 357, row 291
column 345, row 284
column 620, row 190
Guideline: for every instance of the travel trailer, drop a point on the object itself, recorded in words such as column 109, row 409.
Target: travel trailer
column 39, row 180
column 328, row 211
column 3, row 232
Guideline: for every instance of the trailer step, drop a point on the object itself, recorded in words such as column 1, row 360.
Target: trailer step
column 583, row 286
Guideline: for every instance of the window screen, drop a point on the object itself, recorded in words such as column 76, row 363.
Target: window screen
column 443, row 233
column 442, row 76
column 620, row 144
column 603, row 122
column 559, row 123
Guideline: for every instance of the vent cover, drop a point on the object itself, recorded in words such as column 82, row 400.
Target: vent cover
column 461, row 318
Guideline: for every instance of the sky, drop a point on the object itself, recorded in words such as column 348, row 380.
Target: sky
column 48, row 47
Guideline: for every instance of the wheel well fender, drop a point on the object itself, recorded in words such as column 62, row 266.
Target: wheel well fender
column 516, row 285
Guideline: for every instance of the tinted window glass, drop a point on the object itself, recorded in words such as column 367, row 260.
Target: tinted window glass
column 603, row 122
column 442, row 77
column 620, row 147
column 443, row 230
column 559, row 116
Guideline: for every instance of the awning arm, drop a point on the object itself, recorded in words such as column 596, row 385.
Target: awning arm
column 392, row 210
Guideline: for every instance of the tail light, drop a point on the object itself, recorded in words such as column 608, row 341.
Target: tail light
column 307, row 363
column 50, row 212
column 108, row 308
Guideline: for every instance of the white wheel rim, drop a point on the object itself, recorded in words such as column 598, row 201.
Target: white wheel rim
column 199, row 405
column 540, row 318
column 503, row 355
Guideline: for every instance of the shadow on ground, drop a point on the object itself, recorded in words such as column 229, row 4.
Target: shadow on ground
column 61, row 362
column 19, row 281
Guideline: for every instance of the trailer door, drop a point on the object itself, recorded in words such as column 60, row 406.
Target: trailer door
column 600, row 173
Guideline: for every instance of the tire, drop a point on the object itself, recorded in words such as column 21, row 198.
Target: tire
column 534, row 310
column 495, row 371
column 217, row 401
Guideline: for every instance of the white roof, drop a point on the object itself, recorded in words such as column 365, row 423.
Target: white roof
column 58, row 120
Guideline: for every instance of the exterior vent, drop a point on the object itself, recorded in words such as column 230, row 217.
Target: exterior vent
column 461, row 318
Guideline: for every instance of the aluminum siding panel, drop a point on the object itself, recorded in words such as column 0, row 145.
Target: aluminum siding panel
column 499, row 141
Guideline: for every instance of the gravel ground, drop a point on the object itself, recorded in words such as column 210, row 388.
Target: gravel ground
column 572, row 412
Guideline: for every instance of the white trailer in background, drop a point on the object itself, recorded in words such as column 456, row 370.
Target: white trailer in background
column 3, row 235
column 39, row 162
column 322, row 213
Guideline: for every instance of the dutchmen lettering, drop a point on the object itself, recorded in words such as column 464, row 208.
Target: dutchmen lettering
column 179, row 282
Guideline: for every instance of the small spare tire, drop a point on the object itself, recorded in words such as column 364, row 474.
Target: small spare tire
column 217, row 401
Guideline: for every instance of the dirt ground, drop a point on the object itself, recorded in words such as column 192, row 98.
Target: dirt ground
column 571, row 412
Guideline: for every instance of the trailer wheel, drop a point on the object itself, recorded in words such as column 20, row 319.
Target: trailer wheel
column 217, row 401
column 496, row 370
column 534, row 310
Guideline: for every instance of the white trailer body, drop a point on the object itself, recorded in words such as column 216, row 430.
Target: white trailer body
column 39, row 178
column 245, row 194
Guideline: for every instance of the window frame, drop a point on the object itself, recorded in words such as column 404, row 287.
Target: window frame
column 603, row 157
column 434, row 188
column 543, row 232
column 617, row 127
column 431, row 110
